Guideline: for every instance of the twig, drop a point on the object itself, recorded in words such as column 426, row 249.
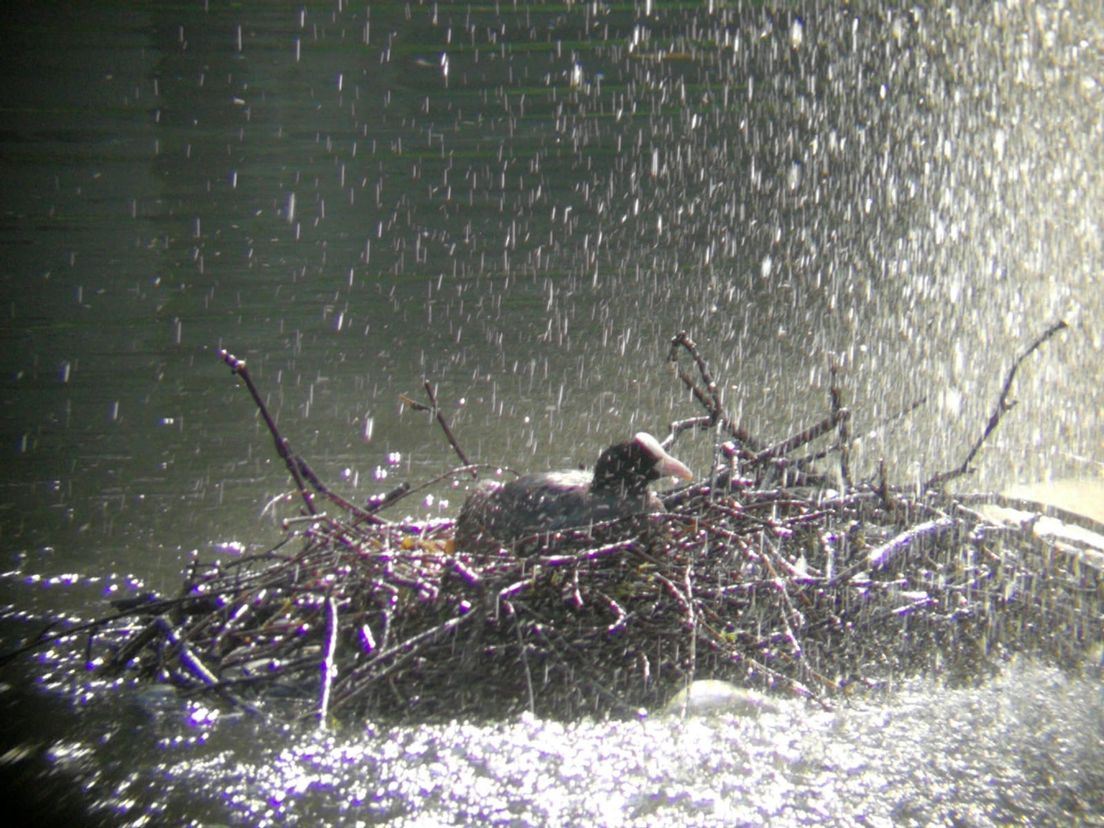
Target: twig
column 693, row 619
column 679, row 426
column 436, row 410
column 360, row 514
column 999, row 411
column 788, row 609
column 717, row 639
column 880, row 556
column 394, row 496
column 283, row 448
column 301, row 472
column 377, row 503
column 844, row 426
column 802, row 437
column 622, row 616
column 401, row 652
column 525, row 663
column 196, row 667
column 706, row 394
column 146, row 608
column 682, row 600
column 329, row 669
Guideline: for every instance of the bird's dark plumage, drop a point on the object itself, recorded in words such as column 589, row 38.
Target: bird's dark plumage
column 553, row 501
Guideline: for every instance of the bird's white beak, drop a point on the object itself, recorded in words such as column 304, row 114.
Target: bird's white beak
column 666, row 465
column 675, row 468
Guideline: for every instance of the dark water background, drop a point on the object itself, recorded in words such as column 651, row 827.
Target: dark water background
column 522, row 203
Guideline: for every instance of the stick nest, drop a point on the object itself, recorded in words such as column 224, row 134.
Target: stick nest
column 761, row 574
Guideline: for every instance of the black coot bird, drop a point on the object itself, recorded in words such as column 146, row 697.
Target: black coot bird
column 552, row 501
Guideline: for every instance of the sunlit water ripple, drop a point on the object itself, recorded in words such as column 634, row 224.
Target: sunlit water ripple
column 1025, row 747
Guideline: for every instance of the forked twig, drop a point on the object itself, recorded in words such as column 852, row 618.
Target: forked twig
column 436, row 411
column 708, row 395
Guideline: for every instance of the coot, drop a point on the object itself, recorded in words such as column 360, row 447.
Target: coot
column 552, row 501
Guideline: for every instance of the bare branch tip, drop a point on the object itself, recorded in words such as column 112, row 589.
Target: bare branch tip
column 236, row 365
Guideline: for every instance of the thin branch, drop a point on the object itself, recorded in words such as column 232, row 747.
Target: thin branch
column 525, row 663
column 283, row 448
column 882, row 556
column 844, row 426
column 196, row 667
column 707, row 394
column 436, row 410
column 801, row 438
column 999, row 411
column 329, row 668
